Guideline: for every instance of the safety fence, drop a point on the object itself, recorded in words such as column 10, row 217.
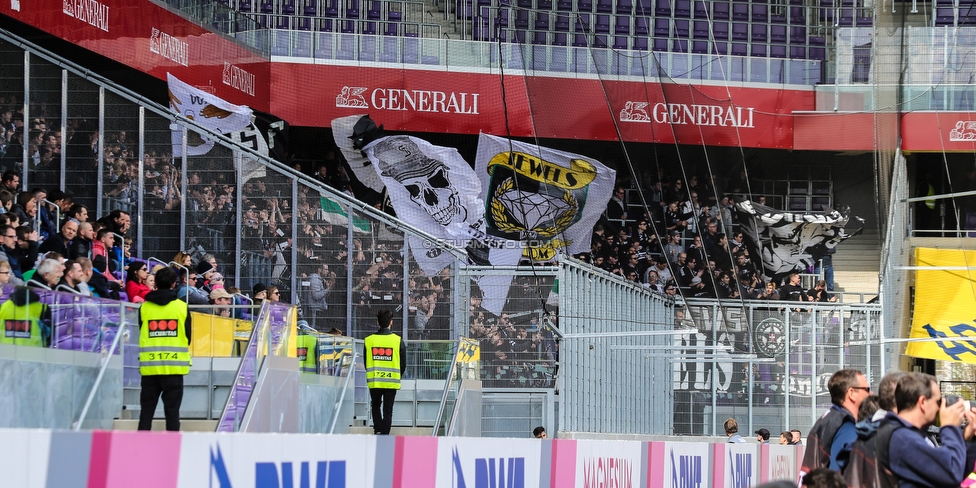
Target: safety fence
column 183, row 459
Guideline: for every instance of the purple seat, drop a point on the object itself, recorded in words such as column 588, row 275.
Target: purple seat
column 758, row 50
column 818, row 53
column 777, row 51
column 798, row 52
column 602, row 24
column 625, row 7
column 700, row 10
column 798, row 35
column 846, row 18
column 622, row 25
column 288, row 7
column 621, row 42
column 310, row 9
column 542, row 21
column 600, row 40
column 244, row 6
column 348, row 26
column 662, row 8
column 863, row 21
column 581, row 23
column 777, row 19
column 662, row 27
column 798, row 15
column 739, row 49
column 720, row 31
column 559, row 39
column 758, row 33
column 579, row 40
column 332, row 9
column 720, row 47
column 368, row 28
column 760, row 13
column 720, row 10
column 643, row 7
column 679, row 46
column 396, row 15
column 521, row 20
column 584, row 5
column 699, row 47
column 540, row 37
column 641, row 25
column 740, row 32
column 564, row 5
column 604, row 6
column 374, row 11
column 682, row 8
column 740, row 11
column 544, row 5
column 562, row 22
column 267, row 8
column 682, row 28
column 777, row 33
column 660, row 44
column 640, row 44
column 700, row 30
column 518, row 37
column 526, row 4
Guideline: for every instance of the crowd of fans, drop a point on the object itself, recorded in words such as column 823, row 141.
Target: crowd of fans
column 689, row 243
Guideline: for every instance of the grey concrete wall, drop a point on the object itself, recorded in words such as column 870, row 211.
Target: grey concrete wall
column 47, row 388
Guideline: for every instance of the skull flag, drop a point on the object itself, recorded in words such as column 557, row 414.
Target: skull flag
column 547, row 199
column 342, row 130
column 789, row 241
column 430, row 187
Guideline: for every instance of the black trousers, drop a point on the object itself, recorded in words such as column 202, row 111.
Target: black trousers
column 382, row 399
column 171, row 388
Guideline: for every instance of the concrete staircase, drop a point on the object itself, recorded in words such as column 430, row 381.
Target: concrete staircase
column 857, row 264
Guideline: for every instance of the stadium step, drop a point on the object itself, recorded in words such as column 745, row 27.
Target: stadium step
column 160, row 424
column 857, row 264
column 414, row 431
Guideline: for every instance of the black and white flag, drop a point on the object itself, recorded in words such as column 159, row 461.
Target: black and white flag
column 788, row 241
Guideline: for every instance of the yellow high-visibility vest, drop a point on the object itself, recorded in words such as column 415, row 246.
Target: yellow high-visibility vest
column 163, row 346
column 383, row 361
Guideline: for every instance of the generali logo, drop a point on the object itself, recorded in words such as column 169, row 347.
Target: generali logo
column 91, row 12
column 684, row 114
column 965, row 130
column 431, row 101
column 169, row 47
column 238, row 78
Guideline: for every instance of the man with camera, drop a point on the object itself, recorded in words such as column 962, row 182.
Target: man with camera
column 903, row 446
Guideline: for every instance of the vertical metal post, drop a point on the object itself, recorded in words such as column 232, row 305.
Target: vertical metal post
column 184, row 162
column 101, row 153
column 64, row 123
column 404, row 305
column 142, row 185
column 23, row 157
column 867, row 348
column 714, row 376
column 294, row 238
column 239, row 176
column 813, row 369
column 786, row 368
column 349, row 277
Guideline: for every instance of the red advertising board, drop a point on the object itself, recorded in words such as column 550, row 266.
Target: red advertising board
column 152, row 39
column 567, row 108
column 939, row 131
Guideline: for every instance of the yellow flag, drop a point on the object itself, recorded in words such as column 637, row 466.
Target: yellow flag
column 945, row 306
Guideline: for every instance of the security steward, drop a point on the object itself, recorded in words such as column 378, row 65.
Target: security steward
column 385, row 353
column 164, row 351
column 25, row 320
column 307, row 345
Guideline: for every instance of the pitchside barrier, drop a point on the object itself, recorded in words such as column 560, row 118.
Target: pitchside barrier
column 117, row 459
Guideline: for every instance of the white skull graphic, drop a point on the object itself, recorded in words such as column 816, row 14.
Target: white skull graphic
column 427, row 180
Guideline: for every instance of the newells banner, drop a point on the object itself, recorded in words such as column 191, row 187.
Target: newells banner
column 206, row 109
column 545, row 198
column 945, row 305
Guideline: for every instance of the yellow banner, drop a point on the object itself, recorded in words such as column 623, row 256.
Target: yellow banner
column 213, row 336
column 469, row 351
column 579, row 174
column 945, row 306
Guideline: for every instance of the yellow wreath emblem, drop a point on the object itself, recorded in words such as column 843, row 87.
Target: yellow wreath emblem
column 559, row 224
